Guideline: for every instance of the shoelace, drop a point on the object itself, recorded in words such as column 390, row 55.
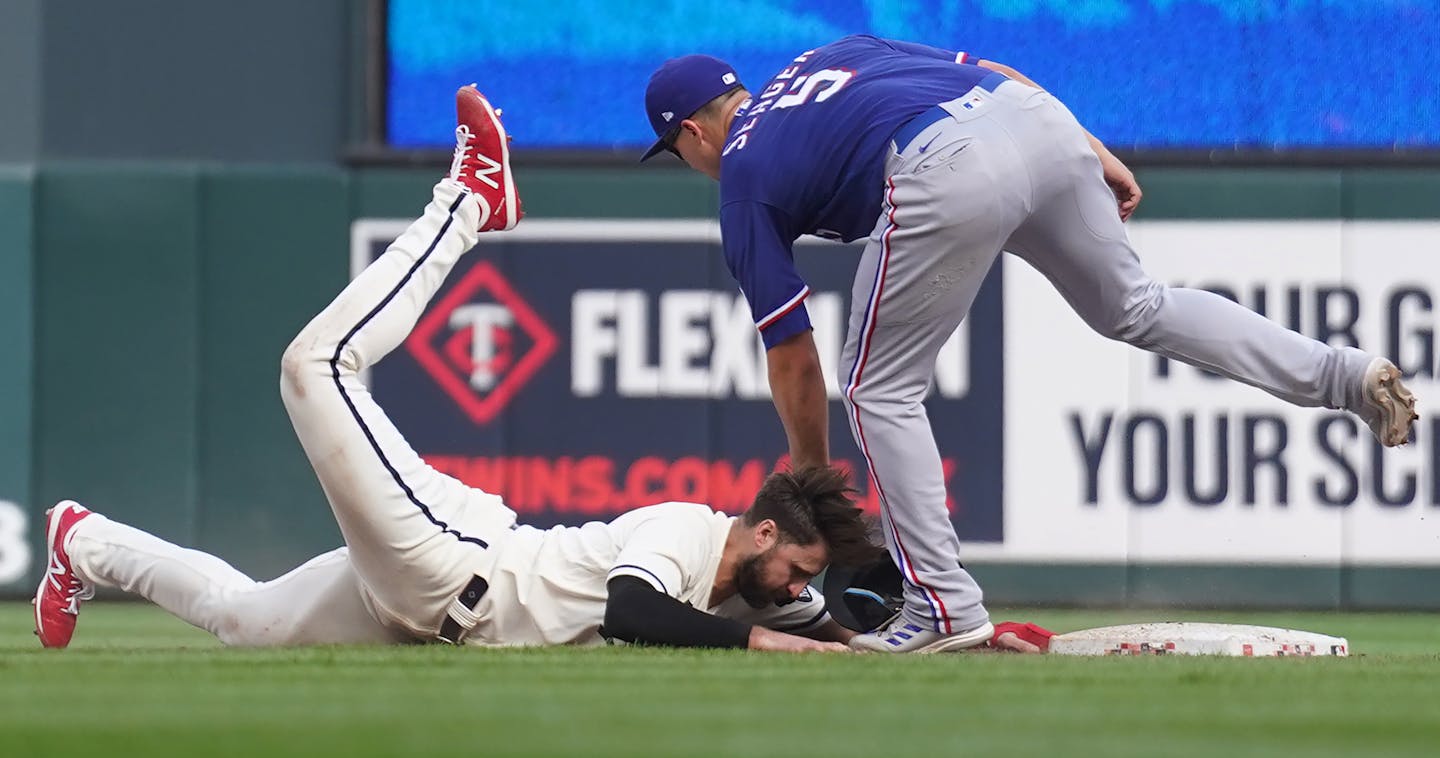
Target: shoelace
column 462, row 148
column 77, row 595
column 73, row 590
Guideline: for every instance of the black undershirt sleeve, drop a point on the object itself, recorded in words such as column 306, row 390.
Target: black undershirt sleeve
column 637, row 612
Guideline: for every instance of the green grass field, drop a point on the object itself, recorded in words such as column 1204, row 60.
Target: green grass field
column 138, row 683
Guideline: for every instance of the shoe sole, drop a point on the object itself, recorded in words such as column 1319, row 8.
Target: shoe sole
column 52, row 527
column 1396, row 404
column 512, row 207
column 963, row 641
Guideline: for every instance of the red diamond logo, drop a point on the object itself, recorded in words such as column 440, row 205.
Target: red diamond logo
column 473, row 346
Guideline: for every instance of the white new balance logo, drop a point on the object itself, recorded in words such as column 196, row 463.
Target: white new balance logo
column 56, row 572
column 487, row 165
column 490, row 166
column 68, row 585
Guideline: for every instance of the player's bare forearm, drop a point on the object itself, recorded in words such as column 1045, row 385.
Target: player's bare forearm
column 798, row 387
column 1117, row 174
column 769, row 639
column 830, row 631
column 1120, row 178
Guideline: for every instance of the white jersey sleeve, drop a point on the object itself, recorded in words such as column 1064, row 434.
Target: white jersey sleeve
column 670, row 546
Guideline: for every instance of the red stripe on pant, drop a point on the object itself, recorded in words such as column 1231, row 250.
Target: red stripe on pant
column 867, row 332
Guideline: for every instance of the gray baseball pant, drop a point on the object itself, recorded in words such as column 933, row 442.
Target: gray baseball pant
column 1012, row 170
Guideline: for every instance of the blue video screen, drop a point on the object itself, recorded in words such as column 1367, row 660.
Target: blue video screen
column 1160, row 74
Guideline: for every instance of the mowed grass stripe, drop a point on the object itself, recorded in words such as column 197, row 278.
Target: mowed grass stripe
column 139, row 683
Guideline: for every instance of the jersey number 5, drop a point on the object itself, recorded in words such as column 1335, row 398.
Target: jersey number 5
column 819, row 86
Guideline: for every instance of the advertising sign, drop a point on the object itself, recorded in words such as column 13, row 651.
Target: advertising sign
column 1115, row 454
column 581, row 369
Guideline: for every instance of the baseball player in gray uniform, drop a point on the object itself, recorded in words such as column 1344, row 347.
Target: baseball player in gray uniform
column 429, row 558
column 941, row 161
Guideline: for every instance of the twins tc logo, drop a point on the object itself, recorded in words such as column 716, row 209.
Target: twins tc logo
column 481, row 343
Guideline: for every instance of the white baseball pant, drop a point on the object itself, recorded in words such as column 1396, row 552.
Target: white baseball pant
column 414, row 537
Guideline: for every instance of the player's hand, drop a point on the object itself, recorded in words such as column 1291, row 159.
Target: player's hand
column 1012, row 642
column 1122, row 182
column 768, row 639
column 1019, row 637
column 1118, row 176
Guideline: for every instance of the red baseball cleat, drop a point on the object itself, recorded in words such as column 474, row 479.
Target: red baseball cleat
column 482, row 160
column 57, row 600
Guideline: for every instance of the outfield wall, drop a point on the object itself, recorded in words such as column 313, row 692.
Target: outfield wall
column 141, row 364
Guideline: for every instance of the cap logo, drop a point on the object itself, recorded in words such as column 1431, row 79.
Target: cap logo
column 668, row 116
column 728, row 78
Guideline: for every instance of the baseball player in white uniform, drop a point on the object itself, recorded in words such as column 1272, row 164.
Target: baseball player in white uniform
column 428, row 558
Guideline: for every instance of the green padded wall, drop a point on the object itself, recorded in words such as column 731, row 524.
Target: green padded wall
column 140, row 370
column 116, row 342
column 273, row 251
column 16, row 370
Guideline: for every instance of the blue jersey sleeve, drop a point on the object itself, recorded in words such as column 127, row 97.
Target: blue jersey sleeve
column 915, row 48
column 757, row 239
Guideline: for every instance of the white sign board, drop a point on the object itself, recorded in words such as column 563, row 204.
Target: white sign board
column 1114, row 455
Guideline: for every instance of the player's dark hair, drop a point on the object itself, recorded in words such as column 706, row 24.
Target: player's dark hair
column 815, row 504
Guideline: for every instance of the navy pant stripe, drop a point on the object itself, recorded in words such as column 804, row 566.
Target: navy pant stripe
column 335, row 373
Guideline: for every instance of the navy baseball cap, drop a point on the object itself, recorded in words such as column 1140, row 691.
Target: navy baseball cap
column 680, row 87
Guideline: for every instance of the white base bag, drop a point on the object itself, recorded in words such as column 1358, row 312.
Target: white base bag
column 1189, row 638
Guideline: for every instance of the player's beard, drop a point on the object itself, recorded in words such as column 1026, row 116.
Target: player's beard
column 748, row 584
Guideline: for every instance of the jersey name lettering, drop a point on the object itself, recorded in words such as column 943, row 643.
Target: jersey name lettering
column 790, row 89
